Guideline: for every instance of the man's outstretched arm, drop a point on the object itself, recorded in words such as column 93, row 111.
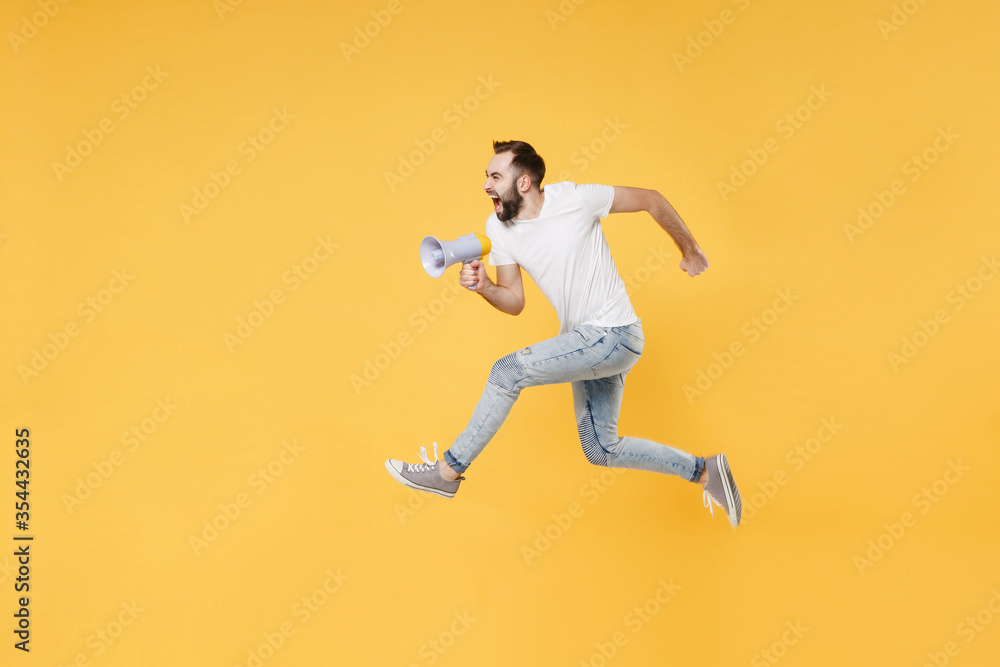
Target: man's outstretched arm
column 630, row 200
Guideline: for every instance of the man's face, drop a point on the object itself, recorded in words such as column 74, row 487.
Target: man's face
column 501, row 186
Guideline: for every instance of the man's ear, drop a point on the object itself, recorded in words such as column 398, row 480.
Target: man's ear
column 524, row 183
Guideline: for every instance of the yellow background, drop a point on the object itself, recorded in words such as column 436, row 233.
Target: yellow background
column 403, row 568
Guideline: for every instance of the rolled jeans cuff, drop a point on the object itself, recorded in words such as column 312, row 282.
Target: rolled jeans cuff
column 457, row 465
column 699, row 465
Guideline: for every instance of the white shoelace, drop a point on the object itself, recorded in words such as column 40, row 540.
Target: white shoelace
column 708, row 500
column 427, row 463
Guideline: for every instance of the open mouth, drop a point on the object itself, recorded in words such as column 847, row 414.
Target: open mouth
column 497, row 204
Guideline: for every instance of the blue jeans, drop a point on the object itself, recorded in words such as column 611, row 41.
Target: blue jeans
column 595, row 360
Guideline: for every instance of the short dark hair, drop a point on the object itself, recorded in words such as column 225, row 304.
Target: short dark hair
column 526, row 160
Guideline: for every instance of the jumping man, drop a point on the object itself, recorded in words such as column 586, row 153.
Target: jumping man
column 555, row 233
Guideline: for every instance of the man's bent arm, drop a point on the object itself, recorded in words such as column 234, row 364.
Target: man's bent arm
column 630, row 200
column 507, row 293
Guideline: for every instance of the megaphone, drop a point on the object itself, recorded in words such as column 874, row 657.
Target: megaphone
column 437, row 256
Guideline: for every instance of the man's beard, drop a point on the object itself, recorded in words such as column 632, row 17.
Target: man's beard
column 509, row 205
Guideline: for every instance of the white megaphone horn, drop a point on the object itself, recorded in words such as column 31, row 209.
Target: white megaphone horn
column 437, row 256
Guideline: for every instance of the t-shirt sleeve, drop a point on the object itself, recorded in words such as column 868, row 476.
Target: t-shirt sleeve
column 597, row 198
column 498, row 254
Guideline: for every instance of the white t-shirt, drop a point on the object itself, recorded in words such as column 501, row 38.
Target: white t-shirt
column 565, row 253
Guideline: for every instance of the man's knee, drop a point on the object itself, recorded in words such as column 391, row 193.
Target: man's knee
column 507, row 372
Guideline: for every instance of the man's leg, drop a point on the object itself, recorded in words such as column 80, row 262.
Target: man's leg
column 598, row 403
column 565, row 358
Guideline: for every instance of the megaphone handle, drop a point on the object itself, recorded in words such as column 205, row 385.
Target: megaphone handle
column 469, row 261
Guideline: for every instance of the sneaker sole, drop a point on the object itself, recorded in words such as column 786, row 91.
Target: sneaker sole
column 732, row 493
column 405, row 482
